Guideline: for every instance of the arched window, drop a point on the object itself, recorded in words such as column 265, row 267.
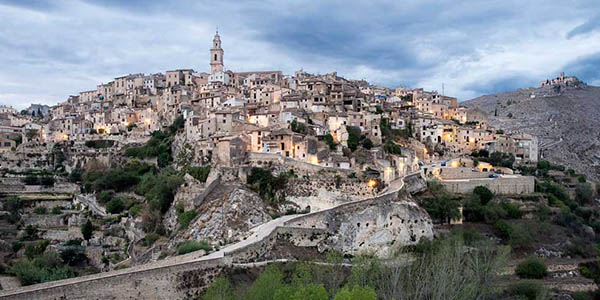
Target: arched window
column 215, row 57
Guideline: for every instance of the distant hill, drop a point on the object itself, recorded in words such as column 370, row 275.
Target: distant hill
column 566, row 120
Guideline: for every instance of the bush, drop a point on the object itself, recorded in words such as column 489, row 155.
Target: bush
column 528, row 290
column 584, row 193
column 48, row 267
column 355, row 293
column 485, row 195
column 57, row 210
column 115, row 206
column 199, row 173
column 192, row 245
column 185, row 218
column 367, row 144
column 31, row 179
column 135, row 210
column 47, row 181
column 266, row 185
column 532, row 267
column 36, row 249
column 40, row 210
column 98, row 144
column 150, row 238
column 520, row 238
column 512, row 210
column 504, row 230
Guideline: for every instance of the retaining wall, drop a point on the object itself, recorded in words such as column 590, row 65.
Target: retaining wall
column 502, row 185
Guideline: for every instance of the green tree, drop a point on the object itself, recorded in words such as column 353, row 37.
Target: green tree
column 353, row 137
column 584, row 192
column 328, row 139
column 266, row 285
column 87, row 229
column 367, row 143
column 220, row 289
column 443, row 207
column 484, row 194
column 356, row 293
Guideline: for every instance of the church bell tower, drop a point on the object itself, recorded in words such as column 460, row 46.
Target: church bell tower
column 216, row 55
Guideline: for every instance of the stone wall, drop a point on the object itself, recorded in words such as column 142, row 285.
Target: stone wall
column 512, row 184
column 177, row 281
column 259, row 159
column 324, row 191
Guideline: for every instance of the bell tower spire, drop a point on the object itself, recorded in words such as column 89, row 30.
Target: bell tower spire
column 216, row 54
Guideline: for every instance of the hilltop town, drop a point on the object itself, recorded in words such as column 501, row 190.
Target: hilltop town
column 183, row 174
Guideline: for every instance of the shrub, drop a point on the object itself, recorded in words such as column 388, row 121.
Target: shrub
column 97, row 144
column 512, row 210
column 199, row 173
column 36, row 249
column 355, row 293
column 192, row 245
column 584, row 192
column 367, row 144
column 57, row 210
column 528, row 290
column 266, row 185
column 520, row 238
column 135, row 210
column 485, row 195
column 150, row 238
column 115, row 206
column 543, row 164
column 504, row 230
column 12, row 205
column 31, row 179
column 41, row 269
column 40, row 210
column 47, row 181
column 185, row 218
column 532, row 267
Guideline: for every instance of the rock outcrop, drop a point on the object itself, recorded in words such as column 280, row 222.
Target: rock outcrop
column 226, row 215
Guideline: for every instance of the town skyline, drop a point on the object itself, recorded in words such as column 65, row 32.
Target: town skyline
column 40, row 39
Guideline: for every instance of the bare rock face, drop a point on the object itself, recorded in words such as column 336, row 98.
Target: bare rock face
column 379, row 229
column 186, row 194
column 226, row 215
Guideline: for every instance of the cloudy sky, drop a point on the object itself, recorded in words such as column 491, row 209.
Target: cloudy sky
column 51, row 49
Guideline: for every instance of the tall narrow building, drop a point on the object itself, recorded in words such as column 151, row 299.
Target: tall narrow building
column 216, row 55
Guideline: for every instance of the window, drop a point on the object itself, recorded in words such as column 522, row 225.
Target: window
column 215, row 55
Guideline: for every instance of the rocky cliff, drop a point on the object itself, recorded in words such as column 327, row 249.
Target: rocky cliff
column 564, row 118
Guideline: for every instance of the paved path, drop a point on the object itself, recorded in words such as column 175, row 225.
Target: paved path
column 258, row 234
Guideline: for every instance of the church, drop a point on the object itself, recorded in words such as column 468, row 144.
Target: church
column 218, row 74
